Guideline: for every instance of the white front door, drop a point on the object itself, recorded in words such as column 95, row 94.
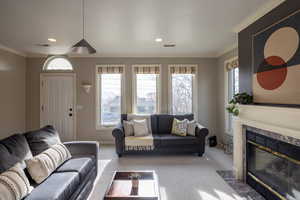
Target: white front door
column 58, row 103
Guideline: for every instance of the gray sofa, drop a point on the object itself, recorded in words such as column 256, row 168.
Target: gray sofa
column 73, row 180
column 164, row 141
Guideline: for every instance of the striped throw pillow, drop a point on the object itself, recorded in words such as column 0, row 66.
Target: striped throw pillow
column 14, row 185
column 42, row 165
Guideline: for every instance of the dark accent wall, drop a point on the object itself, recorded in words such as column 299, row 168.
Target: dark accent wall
column 245, row 40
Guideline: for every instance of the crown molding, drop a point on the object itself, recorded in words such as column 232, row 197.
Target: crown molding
column 5, row 48
column 210, row 55
column 263, row 10
column 193, row 55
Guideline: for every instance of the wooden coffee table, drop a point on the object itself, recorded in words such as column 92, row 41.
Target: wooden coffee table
column 120, row 187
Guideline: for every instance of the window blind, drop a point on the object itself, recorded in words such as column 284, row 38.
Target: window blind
column 110, row 69
column 232, row 64
column 183, row 69
column 146, row 69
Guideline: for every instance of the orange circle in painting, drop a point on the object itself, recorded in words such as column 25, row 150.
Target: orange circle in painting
column 275, row 61
column 282, row 43
column 274, row 78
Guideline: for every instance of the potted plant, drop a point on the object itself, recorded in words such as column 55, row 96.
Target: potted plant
column 240, row 98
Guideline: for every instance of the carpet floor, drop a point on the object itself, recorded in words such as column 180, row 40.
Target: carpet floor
column 181, row 177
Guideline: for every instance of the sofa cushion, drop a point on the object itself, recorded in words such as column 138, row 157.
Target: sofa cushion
column 42, row 165
column 82, row 165
column 170, row 140
column 165, row 122
column 140, row 127
column 42, row 139
column 13, row 149
column 14, row 184
column 154, row 124
column 156, row 140
column 128, row 128
column 58, row 186
column 191, row 128
column 179, row 127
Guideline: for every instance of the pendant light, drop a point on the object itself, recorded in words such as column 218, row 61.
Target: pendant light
column 83, row 47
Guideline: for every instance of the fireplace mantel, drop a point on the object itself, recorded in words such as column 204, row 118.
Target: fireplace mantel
column 285, row 121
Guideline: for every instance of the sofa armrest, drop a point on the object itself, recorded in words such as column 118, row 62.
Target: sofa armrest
column 118, row 131
column 201, row 131
column 83, row 148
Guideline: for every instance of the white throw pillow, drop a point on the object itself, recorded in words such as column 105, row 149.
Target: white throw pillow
column 42, row 165
column 128, row 128
column 14, row 185
column 140, row 127
column 191, row 127
column 131, row 117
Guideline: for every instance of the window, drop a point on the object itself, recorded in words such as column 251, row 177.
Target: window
column 145, row 87
column 183, row 91
column 109, row 92
column 233, row 82
column 232, row 87
column 57, row 63
column 146, row 97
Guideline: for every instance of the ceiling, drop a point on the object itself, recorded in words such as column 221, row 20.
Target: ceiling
column 127, row 28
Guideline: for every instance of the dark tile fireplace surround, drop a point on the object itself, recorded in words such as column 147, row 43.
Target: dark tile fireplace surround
column 273, row 164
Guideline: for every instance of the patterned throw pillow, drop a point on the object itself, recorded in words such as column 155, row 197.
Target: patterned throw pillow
column 42, row 165
column 179, row 127
column 14, row 185
column 191, row 127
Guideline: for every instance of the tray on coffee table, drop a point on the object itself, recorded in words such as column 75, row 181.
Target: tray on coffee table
column 121, row 188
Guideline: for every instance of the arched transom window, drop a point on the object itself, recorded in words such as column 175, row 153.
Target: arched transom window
column 55, row 63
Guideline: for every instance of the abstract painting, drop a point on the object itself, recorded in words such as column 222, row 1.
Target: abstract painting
column 276, row 63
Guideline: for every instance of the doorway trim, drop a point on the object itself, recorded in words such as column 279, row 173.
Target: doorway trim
column 73, row 75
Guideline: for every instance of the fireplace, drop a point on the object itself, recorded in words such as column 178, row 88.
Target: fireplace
column 272, row 166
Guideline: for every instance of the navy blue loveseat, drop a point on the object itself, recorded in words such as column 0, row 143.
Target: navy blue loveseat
column 164, row 141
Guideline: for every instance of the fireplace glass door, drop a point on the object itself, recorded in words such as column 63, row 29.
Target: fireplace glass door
column 274, row 170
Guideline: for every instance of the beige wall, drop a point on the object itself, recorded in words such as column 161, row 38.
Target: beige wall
column 221, row 92
column 85, row 72
column 12, row 93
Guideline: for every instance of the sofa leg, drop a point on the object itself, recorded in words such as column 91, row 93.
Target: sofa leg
column 119, row 155
column 200, row 154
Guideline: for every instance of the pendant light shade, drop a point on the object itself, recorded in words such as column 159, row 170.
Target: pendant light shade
column 83, row 47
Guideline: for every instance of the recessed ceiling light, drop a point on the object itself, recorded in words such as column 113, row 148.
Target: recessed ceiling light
column 158, row 40
column 51, row 40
